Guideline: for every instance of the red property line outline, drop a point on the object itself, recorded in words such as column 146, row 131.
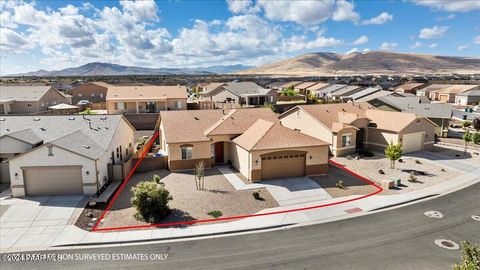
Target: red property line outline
column 96, row 229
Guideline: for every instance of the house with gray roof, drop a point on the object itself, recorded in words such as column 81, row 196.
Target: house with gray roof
column 30, row 99
column 471, row 97
column 439, row 113
column 241, row 93
column 361, row 94
column 60, row 154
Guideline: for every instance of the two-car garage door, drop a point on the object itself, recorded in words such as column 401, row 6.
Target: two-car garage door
column 412, row 142
column 45, row 181
column 283, row 165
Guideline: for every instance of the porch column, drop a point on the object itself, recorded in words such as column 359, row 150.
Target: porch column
column 136, row 106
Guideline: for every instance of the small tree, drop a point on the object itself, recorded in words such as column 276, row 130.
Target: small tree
column 470, row 257
column 467, row 137
column 156, row 179
column 393, row 152
column 476, row 138
column 466, row 124
column 200, row 175
column 151, row 201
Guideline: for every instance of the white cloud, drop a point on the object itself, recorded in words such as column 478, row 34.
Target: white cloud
column 433, row 45
column 476, row 40
column 301, row 12
column 241, row 6
column 388, row 46
column 416, row 45
column 463, row 47
column 13, row 41
column 298, row 43
column 433, row 32
column 344, row 11
column 380, row 19
column 361, row 40
column 353, row 50
column 450, row 6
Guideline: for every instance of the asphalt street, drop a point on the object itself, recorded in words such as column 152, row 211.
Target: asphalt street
column 401, row 238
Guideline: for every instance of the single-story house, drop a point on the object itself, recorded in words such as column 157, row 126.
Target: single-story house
column 62, row 155
column 94, row 92
column 241, row 93
column 30, row 99
column 425, row 90
column 289, row 84
column 146, row 99
column 324, row 91
column 274, row 85
column 471, row 97
column 374, row 96
column 409, row 88
column 439, row 113
column 362, row 93
column 343, row 92
column 348, row 127
column 302, row 88
column 316, row 87
column 448, row 94
column 251, row 140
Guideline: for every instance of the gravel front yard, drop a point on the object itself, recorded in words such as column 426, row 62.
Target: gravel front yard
column 189, row 203
column 369, row 168
column 353, row 185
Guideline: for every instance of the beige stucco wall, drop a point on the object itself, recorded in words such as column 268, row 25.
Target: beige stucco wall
column 221, row 96
column 199, row 150
column 423, row 126
column 132, row 105
column 307, row 125
column 338, row 150
column 241, row 159
column 85, row 92
column 10, row 145
column 381, row 138
column 61, row 157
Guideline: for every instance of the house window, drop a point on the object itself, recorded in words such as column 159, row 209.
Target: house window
column 187, row 152
column 29, row 105
column 50, row 150
column 101, row 95
column 178, row 104
column 120, row 106
column 419, row 121
column 346, row 140
column 118, row 153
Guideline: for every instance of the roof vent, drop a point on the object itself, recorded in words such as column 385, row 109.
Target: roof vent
column 196, row 118
column 7, row 129
column 36, row 119
column 327, row 111
column 86, row 146
column 71, row 118
column 42, row 129
column 103, row 118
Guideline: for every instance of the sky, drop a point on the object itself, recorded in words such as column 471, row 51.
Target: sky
column 54, row 35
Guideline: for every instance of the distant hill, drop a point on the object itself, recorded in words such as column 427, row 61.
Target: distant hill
column 97, row 69
column 375, row 62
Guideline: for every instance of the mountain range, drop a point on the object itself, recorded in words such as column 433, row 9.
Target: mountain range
column 373, row 62
column 98, row 69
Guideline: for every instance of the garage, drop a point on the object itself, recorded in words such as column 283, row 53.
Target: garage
column 46, row 181
column 283, row 165
column 444, row 98
column 412, row 142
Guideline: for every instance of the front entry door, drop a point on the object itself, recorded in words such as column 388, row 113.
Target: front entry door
column 219, row 152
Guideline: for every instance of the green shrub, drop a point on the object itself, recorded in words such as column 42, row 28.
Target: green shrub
column 151, row 201
column 215, row 214
column 156, row 179
column 470, row 257
column 393, row 153
column 256, row 195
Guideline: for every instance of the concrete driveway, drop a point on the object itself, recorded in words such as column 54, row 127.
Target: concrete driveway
column 34, row 221
column 290, row 191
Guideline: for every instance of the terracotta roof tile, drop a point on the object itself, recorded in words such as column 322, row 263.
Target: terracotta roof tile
column 146, row 92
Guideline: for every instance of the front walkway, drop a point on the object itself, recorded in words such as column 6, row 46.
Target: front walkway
column 286, row 191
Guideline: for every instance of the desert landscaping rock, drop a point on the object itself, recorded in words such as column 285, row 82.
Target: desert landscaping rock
column 369, row 167
column 188, row 203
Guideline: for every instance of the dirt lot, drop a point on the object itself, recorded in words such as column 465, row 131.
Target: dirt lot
column 369, row 168
column 353, row 185
column 189, row 203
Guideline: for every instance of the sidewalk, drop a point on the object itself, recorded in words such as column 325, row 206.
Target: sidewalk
column 323, row 212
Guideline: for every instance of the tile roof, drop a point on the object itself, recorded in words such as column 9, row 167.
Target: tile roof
column 409, row 86
column 23, row 93
column 364, row 92
column 147, row 92
column 376, row 95
column 208, row 87
column 391, row 121
column 239, row 120
column 266, row 135
column 317, row 86
column 458, row 88
column 63, row 130
column 434, row 87
column 347, row 90
column 416, row 105
column 305, row 85
column 470, row 93
column 288, row 84
column 330, row 88
column 245, row 88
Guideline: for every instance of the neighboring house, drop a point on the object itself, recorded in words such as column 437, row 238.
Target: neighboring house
column 448, row 94
column 274, row 85
column 409, row 88
column 145, row 99
column 324, row 91
column 315, row 88
column 289, row 84
column 362, row 94
column 374, row 96
column 439, row 113
column 251, row 140
column 241, row 93
column 30, row 99
column 207, row 87
column 425, row 91
column 94, row 92
column 348, row 127
column 62, row 155
column 343, row 92
column 302, row 88
column 471, row 97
